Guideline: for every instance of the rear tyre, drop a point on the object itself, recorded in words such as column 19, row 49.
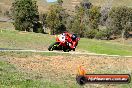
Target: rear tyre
column 65, row 49
column 74, row 49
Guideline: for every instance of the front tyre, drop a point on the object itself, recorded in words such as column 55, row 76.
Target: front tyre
column 52, row 46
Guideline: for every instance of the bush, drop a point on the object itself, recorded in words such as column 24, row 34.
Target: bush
column 100, row 35
column 103, row 34
column 90, row 33
column 40, row 30
column 61, row 28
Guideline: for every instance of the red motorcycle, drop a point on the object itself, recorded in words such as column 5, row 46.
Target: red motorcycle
column 64, row 43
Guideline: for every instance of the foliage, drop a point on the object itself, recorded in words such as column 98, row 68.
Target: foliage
column 104, row 16
column 56, row 19
column 24, row 14
column 92, row 22
column 77, row 28
column 86, row 4
column 42, row 18
column 38, row 28
column 60, row 2
column 80, row 20
column 104, row 34
column 94, row 17
column 69, row 23
column 84, row 22
column 86, row 19
column 120, row 19
column 90, row 33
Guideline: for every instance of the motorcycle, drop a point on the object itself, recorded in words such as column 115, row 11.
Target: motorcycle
column 63, row 43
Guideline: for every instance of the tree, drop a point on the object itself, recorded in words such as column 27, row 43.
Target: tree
column 104, row 16
column 55, row 19
column 87, row 17
column 120, row 19
column 78, row 28
column 94, row 17
column 86, row 4
column 25, row 14
column 60, row 2
column 42, row 18
column 80, row 20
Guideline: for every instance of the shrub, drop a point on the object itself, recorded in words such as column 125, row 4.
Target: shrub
column 90, row 33
column 103, row 34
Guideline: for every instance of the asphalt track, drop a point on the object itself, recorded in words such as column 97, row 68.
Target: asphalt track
column 71, row 52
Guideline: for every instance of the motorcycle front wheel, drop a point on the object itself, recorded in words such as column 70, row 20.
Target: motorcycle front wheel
column 53, row 46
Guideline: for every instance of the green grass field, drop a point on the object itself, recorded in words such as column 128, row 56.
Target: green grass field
column 105, row 47
column 22, row 40
column 36, row 41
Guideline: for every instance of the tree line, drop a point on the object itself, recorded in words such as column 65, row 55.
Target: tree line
column 87, row 20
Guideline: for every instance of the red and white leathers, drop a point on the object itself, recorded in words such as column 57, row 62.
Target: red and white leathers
column 71, row 43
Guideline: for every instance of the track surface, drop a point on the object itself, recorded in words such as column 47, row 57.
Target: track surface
column 76, row 53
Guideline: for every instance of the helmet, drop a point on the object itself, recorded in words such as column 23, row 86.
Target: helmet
column 73, row 37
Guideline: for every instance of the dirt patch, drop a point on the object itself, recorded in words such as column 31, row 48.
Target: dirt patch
column 64, row 68
column 69, row 64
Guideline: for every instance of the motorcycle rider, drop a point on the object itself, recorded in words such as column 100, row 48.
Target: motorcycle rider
column 62, row 37
column 70, row 40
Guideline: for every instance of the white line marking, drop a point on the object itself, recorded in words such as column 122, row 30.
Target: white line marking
column 80, row 53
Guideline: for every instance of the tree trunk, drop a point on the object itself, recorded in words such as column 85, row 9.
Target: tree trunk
column 25, row 30
column 44, row 29
column 123, row 40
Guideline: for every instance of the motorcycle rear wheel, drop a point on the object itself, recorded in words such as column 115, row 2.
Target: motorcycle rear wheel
column 66, row 50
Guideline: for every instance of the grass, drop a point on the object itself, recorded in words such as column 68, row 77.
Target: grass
column 22, row 40
column 6, row 25
column 104, row 47
column 11, row 78
column 36, row 41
